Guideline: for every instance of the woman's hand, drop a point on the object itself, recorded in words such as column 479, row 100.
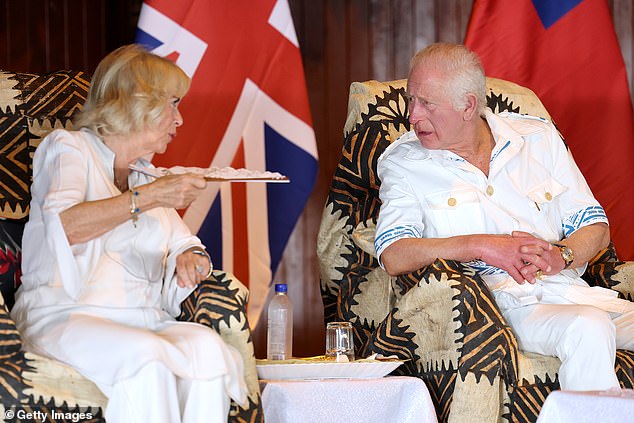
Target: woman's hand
column 192, row 268
column 176, row 191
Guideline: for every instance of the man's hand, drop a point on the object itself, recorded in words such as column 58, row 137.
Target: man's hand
column 520, row 254
column 547, row 262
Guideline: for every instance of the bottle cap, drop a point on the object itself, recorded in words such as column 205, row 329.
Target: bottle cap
column 281, row 287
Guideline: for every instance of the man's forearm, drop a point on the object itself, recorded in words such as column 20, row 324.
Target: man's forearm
column 587, row 242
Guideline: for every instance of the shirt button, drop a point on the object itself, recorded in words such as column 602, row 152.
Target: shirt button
column 548, row 196
column 490, row 190
column 452, row 202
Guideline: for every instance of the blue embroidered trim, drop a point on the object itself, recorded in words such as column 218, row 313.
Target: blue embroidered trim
column 398, row 232
column 583, row 218
column 482, row 268
column 508, row 142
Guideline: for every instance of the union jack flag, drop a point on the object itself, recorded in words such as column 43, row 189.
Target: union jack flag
column 247, row 107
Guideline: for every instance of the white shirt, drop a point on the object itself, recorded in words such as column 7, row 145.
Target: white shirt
column 533, row 186
column 124, row 268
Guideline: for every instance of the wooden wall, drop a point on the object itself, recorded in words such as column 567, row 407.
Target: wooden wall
column 341, row 41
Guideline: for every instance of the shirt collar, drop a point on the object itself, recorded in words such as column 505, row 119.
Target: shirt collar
column 106, row 156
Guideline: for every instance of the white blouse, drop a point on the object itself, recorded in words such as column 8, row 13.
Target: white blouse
column 76, row 302
column 125, row 268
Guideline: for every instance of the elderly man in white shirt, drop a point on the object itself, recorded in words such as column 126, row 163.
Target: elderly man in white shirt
column 503, row 195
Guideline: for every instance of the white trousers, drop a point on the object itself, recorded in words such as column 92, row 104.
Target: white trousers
column 155, row 395
column 583, row 337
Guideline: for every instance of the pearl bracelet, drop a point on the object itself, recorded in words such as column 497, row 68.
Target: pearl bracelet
column 200, row 252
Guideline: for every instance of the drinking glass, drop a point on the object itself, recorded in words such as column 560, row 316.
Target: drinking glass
column 339, row 341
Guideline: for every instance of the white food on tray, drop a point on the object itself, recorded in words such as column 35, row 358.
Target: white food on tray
column 214, row 173
column 325, row 370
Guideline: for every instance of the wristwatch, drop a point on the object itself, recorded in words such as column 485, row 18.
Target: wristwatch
column 566, row 254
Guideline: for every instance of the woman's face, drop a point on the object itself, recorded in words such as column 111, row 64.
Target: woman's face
column 156, row 139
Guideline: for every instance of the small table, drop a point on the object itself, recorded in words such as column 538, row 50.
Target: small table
column 614, row 406
column 389, row 399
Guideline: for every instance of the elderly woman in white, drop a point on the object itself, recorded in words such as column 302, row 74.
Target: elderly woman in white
column 107, row 259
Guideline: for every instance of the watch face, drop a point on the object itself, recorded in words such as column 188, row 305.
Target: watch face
column 567, row 255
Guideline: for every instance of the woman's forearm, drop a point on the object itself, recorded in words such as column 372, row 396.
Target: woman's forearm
column 88, row 220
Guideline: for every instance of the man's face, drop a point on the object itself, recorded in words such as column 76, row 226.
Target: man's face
column 432, row 115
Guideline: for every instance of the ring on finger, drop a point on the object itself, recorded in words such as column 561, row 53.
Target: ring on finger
column 200, row 269
column 539, row 274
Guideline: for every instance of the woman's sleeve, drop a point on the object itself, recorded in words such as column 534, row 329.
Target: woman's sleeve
column 59, row 182
column 181, row 239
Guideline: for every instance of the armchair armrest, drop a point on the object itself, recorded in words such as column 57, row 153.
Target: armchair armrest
column 453, row 336
column 453, row 322
column 605, row 270
column 616, row 275
column 10, row 341
column 220, row 303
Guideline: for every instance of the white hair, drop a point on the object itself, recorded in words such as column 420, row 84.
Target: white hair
column 463, row 70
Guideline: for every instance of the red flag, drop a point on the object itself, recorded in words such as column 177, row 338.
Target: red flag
column 247, row 107
column 567, row 52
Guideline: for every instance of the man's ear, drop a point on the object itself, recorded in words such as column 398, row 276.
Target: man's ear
column 471, row 107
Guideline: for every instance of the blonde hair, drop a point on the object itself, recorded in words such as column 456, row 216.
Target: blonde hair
column 129, row 91
column 463, row 70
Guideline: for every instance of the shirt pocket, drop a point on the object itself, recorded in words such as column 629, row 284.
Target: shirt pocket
column 545, row 197
column 453, row 213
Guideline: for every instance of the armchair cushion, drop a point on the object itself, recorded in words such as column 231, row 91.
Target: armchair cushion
column 11, row 342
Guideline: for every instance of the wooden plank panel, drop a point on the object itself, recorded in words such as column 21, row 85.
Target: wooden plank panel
column 380, row 39
column 359, row 30
column 25, row 37
column 5, row 32
column 425, row 30
column 56, row 24
column 76, row 35
column 97, row 20
column 448, row 22
column 403, row 28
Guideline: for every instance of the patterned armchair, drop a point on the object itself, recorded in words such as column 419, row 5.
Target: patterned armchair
column 30, row 107
column 441, row 319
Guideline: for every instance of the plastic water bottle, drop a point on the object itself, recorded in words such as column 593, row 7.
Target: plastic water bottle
column 279, row 345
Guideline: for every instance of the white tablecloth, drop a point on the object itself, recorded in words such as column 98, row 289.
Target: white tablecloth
column 612, row 406
column 382, row 400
